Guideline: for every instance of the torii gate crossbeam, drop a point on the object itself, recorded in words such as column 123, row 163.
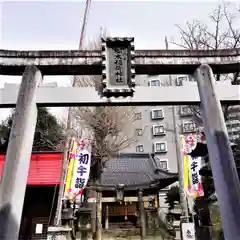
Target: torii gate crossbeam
column 143, row 96
column 146, row 62
column 75, row 62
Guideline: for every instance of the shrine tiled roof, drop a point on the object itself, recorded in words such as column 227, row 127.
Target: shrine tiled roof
column 135, row 170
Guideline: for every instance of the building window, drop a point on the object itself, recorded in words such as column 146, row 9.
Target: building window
column 160, row 147
column 234, row 108
column 158, row 130
column 180, row 80
column 157, row 113
column 185, row 111
column 162, row 164
column 139, row 148
column 154, row 83
column 233, row 137
column 138, row 116
column 234, row 129
column 234, row 116
column 139, row 132
column 232, row 122
column 189, row 127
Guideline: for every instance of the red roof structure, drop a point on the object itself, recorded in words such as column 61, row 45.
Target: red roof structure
column 45, row 168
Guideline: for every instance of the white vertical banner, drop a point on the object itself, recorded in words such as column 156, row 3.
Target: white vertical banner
column 192, row 178
column 79, row 169
column 195, row 164
column 82, row 170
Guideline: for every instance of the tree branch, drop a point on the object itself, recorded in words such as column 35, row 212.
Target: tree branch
column 224, row 34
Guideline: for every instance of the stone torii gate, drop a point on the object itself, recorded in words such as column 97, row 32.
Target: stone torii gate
column 118, row 63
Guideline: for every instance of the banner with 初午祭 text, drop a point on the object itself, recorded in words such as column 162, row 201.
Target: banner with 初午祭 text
column 78, row 168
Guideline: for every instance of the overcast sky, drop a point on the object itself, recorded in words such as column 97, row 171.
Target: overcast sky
column 48, row 25
column 56, row 25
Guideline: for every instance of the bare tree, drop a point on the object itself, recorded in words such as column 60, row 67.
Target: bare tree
column 221, row 32
column 110, row 129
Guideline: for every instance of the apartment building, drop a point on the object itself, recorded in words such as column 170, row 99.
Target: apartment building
column 154, row 125
column 233, row 123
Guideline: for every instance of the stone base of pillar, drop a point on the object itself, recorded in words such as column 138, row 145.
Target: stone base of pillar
column 59, row 233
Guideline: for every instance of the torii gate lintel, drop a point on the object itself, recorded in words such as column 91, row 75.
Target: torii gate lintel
column 75, row 62
column 119, row 65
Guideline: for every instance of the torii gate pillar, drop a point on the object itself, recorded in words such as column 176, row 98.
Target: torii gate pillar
column 16, row 167
column 225, row 175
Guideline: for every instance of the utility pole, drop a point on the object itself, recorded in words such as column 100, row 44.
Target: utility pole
column 16, row 167
column 223, row 167
column 57, row 219
column 183, row 198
